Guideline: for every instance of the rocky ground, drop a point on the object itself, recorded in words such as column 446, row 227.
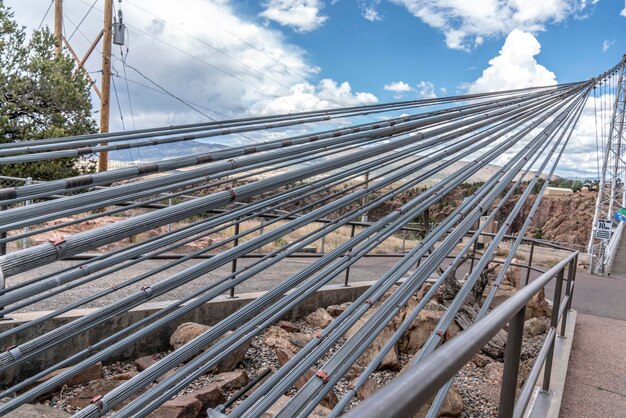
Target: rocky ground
column 475, row 392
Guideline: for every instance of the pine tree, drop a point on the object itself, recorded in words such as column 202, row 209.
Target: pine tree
column 41, row 96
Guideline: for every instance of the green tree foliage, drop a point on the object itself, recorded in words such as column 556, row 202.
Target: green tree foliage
column 41, row 96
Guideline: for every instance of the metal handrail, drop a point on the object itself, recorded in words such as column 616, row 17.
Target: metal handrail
column 611, row 248
column 405, row 395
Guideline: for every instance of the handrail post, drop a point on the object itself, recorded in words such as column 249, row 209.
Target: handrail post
column 553, row 324
column 530, row 261
column 512, row 354
column 234, row 263
column 571, row 270
column 347, row 278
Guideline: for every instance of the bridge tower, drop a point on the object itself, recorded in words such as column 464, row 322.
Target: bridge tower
column 611, row 190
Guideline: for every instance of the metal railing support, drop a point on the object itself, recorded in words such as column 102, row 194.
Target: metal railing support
column 511, row 364
column 554, row 320
column 234, row 263
column 530, row 261
column 347, row 278
column 571, row 271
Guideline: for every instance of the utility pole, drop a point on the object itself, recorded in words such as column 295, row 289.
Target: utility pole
column 105, row 88
column 104, row 93
column 58, row 26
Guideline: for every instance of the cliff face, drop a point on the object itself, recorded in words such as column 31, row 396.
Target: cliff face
column 561, row 218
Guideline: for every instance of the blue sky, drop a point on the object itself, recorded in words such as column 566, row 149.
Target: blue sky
column 231, row 58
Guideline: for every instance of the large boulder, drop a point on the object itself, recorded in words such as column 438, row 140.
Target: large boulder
column 93, row 389
column 232, row 380
column 513, row 274
column 493, row 372
column 300, row 339
column 276, row 337
column 538, row 306
column 288, row 326
column 534, row 327
column 36, row 411
column 93, row 372
column 186, row 332
column 419, row 331
column 452, row 406
column 185, row 406
column 209, row 396
column 319, row 318
column 391, row 360
column 336, row 310
column 190, row 330
column 142, row 363
column 319, row 412
column 284, row 355
column 503, row 292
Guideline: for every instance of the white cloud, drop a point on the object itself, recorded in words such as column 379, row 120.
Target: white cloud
column 426, row 90
column 581, row 158
column 398, row 87
column 515, row 66
column 305, row 97
column 466, row 23
column 623, row 13
column 371, row 14
column 302, row 15
column 607, row 44
column 216, row 59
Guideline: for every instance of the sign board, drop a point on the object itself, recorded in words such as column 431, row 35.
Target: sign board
column 620, row 217
column 603, row 229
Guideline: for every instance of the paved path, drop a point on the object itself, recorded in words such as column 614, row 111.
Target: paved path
column 596, row 378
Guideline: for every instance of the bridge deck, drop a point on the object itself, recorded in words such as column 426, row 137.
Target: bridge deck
column 596, row 377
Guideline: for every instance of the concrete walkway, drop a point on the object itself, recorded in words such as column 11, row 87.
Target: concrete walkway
column 596, row 378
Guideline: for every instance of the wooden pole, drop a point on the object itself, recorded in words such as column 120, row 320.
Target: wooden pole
column 106, row 80
column 58, row 26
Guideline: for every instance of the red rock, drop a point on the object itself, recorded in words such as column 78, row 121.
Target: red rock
column 190, row 330
column 367, row 390
column 123, row 376
column 319, row 318
column 209, row 396
column 288, row 326
column 232, row 380
column 93, row 389
column 36, row 411
column 480, row 360
column 185, row 406
column 144, row 362
column 92, row 373
column 299, row 339
column 336, row 310
column 283, row 355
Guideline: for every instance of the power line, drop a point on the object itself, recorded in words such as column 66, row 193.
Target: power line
column 83, row 19
column 45, row 14
column 168, row 92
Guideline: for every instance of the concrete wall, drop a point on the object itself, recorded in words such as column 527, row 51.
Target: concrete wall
column 210, row 313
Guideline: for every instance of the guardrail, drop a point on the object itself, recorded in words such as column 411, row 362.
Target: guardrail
column 611, row 248
column 405, row 395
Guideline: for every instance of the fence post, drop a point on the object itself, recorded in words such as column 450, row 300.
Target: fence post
column 347, row 278
column 512, row 354
column 403, row 240
column 571, row 273
column 553, row 324
column 25, row 240
column 234, row 263
column 530, row 261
